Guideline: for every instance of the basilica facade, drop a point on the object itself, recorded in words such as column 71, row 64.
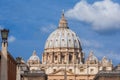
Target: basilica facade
column 63, row 58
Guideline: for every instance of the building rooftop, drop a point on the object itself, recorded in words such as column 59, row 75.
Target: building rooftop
column 33, row 74
column 113, row 73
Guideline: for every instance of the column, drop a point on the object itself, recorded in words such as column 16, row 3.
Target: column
column 43, row 58
column 50, row 59
column 59, row 56
column 53, row 57
column 75, row 58
column 4, row 66
column 46, row 58
column 67, row 58
column 73, row 61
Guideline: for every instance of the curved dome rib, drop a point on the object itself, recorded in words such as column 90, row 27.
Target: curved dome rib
column 61, row 38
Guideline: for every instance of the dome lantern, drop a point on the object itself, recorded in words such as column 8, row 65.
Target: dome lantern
column 63, row 22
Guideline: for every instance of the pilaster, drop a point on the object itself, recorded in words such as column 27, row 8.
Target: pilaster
column 59, row 56
column 67, row 58
column 73, row 58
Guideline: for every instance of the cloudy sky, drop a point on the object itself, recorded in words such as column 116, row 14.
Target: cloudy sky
column 96, row 22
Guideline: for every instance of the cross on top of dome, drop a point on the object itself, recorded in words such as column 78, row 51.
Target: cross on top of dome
column 63, row 22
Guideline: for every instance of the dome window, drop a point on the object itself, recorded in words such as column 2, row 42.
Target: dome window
column 81, row 70
column 91, row 70
column 104, row 68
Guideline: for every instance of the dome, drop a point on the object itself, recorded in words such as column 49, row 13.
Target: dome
column 63, row 37
column 63, row 46
column 34, row 57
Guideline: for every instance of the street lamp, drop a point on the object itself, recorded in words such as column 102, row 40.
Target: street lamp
column 4, row 55
column 4, row 35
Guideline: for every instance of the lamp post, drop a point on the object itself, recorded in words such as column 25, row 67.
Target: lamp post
column 4, row 35
column 4, row 66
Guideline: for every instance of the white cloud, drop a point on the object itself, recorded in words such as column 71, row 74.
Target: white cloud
column 91, row 44
column 103, row 15
column 114, row 56
column 11, row 39
column 110, row 55
column 1, row 27
column 48, row 29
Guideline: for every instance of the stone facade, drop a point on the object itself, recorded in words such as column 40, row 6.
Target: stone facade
column 85, row 71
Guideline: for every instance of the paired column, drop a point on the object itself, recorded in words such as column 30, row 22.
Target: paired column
column 45, row 58
column 74, row 58
column 51, row 57
column 67, row 58
column 59, row 56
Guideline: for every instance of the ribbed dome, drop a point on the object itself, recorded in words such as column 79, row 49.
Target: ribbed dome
column 63, row 37
column 34, row 57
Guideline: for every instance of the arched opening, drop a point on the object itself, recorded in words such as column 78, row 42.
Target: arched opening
column 70, row 58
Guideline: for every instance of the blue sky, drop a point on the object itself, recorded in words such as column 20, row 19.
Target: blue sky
column 30, row 22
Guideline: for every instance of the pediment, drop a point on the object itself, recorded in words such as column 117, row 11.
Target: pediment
column 61, row 72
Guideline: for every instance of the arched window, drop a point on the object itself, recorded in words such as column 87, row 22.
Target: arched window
column 70, row 58
column 55, row 57
column 62, row 58
column 104, row 68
